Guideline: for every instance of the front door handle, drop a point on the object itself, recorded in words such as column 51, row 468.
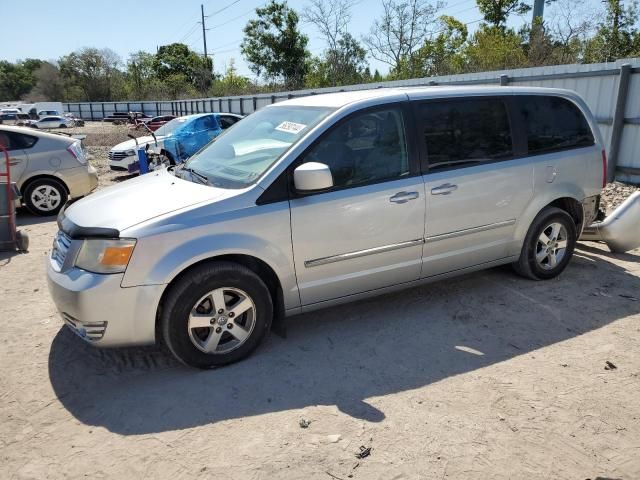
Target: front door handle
column 404, row 197
column 14, row 161
column 445, row 189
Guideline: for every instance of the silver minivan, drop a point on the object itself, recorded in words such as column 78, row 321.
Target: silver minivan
column 327, row 199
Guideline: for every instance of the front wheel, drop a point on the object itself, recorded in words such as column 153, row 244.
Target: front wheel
column 217, row 314
column 548, row 246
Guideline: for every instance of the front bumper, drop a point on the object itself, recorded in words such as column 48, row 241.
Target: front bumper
column 123, row 163
column 100, row 311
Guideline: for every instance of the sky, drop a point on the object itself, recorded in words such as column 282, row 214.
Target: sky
column 46, row 29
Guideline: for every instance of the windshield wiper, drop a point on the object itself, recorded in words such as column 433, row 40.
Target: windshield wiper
column 195, row 174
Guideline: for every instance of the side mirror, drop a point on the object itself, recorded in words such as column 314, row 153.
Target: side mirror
column 312, row 177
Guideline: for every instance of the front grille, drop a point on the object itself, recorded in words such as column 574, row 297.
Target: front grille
column 89, row 331
column 117, row 156
column 61, row 244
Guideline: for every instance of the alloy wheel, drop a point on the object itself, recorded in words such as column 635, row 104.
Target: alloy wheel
column 551, row 246
column 46, row 198
column 222, row 320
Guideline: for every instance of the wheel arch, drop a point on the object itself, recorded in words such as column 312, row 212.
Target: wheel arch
column 567, row 200
column 266, row 273
column 24, row 184
column 169, row 155
column 572, row 206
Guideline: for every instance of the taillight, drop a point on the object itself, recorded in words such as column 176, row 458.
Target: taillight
column 72, row 152
column 604, row 168
column 76, row 151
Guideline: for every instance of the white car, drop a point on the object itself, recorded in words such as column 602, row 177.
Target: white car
column 124, row 155
column 175, row 140
column 52, row 122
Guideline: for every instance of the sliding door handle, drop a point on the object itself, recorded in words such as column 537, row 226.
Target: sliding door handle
column 445, row 189
column 404, row 197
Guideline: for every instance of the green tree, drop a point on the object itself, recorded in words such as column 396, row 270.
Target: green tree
column 496, row 12
column 140, row 75
column 94, row 73
column 230, row 83
column 492, row 48
column 17, row 79
column 274, row 47
column 49, row 84
column 344, row 65
column 178, row 59
column 400, row 32
column 617, row 35
column 441, row 55
column 177, row 86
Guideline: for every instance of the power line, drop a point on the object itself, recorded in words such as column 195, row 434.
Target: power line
column 238, row 17
column 191, row 31
column 226, row 45
column 223, row 8
column 464, row 10
column 458, row 3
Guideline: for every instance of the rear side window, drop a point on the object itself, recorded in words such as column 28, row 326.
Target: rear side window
column 205, row 123
column 226, row 122
column 553, row 123
column 465, row 131
column 16, row 141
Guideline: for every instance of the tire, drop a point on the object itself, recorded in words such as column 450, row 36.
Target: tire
column 53, row 190
column 62, row 125
column 195, row 294
column 167, row 158
column 22, row 241
column 543, row 261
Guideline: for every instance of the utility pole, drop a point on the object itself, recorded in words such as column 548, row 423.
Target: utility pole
column 204, row 31
column 538, row 11
column 536, row 19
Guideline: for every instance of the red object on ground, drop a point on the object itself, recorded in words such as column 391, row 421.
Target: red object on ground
column 7, row 185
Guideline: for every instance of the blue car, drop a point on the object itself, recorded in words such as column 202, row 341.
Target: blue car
column 176, row 140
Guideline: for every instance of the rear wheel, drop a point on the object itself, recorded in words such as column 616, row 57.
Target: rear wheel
column 45, row 196
column 548, row 246
column 218, row 314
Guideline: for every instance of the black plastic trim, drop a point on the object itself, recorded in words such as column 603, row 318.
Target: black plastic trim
column 278, row 191
column 77, row 232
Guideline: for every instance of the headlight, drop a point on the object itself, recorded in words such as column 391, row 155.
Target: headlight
column 105, row 256
column 130, row 153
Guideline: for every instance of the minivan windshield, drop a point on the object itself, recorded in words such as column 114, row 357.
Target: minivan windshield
column 170, row 127
column 239, row 156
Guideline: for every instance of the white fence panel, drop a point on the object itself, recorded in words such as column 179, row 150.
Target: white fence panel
column 598, row 84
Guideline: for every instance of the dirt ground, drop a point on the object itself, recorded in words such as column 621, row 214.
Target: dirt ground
column 487, row 376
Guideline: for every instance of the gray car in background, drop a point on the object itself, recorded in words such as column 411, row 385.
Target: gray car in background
column 326, row 199
column 48, row 169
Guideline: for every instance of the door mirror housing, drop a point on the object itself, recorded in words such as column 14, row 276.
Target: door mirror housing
column 312, row 177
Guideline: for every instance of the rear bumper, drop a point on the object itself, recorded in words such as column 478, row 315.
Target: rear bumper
column 80, row 180
column 100, row 311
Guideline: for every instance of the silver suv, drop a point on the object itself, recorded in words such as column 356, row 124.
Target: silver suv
column 327, row 199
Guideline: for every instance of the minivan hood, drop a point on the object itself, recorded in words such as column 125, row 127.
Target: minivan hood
column 139, row 199
column 131, row 143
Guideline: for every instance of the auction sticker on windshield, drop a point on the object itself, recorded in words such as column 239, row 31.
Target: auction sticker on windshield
column 290, row 127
